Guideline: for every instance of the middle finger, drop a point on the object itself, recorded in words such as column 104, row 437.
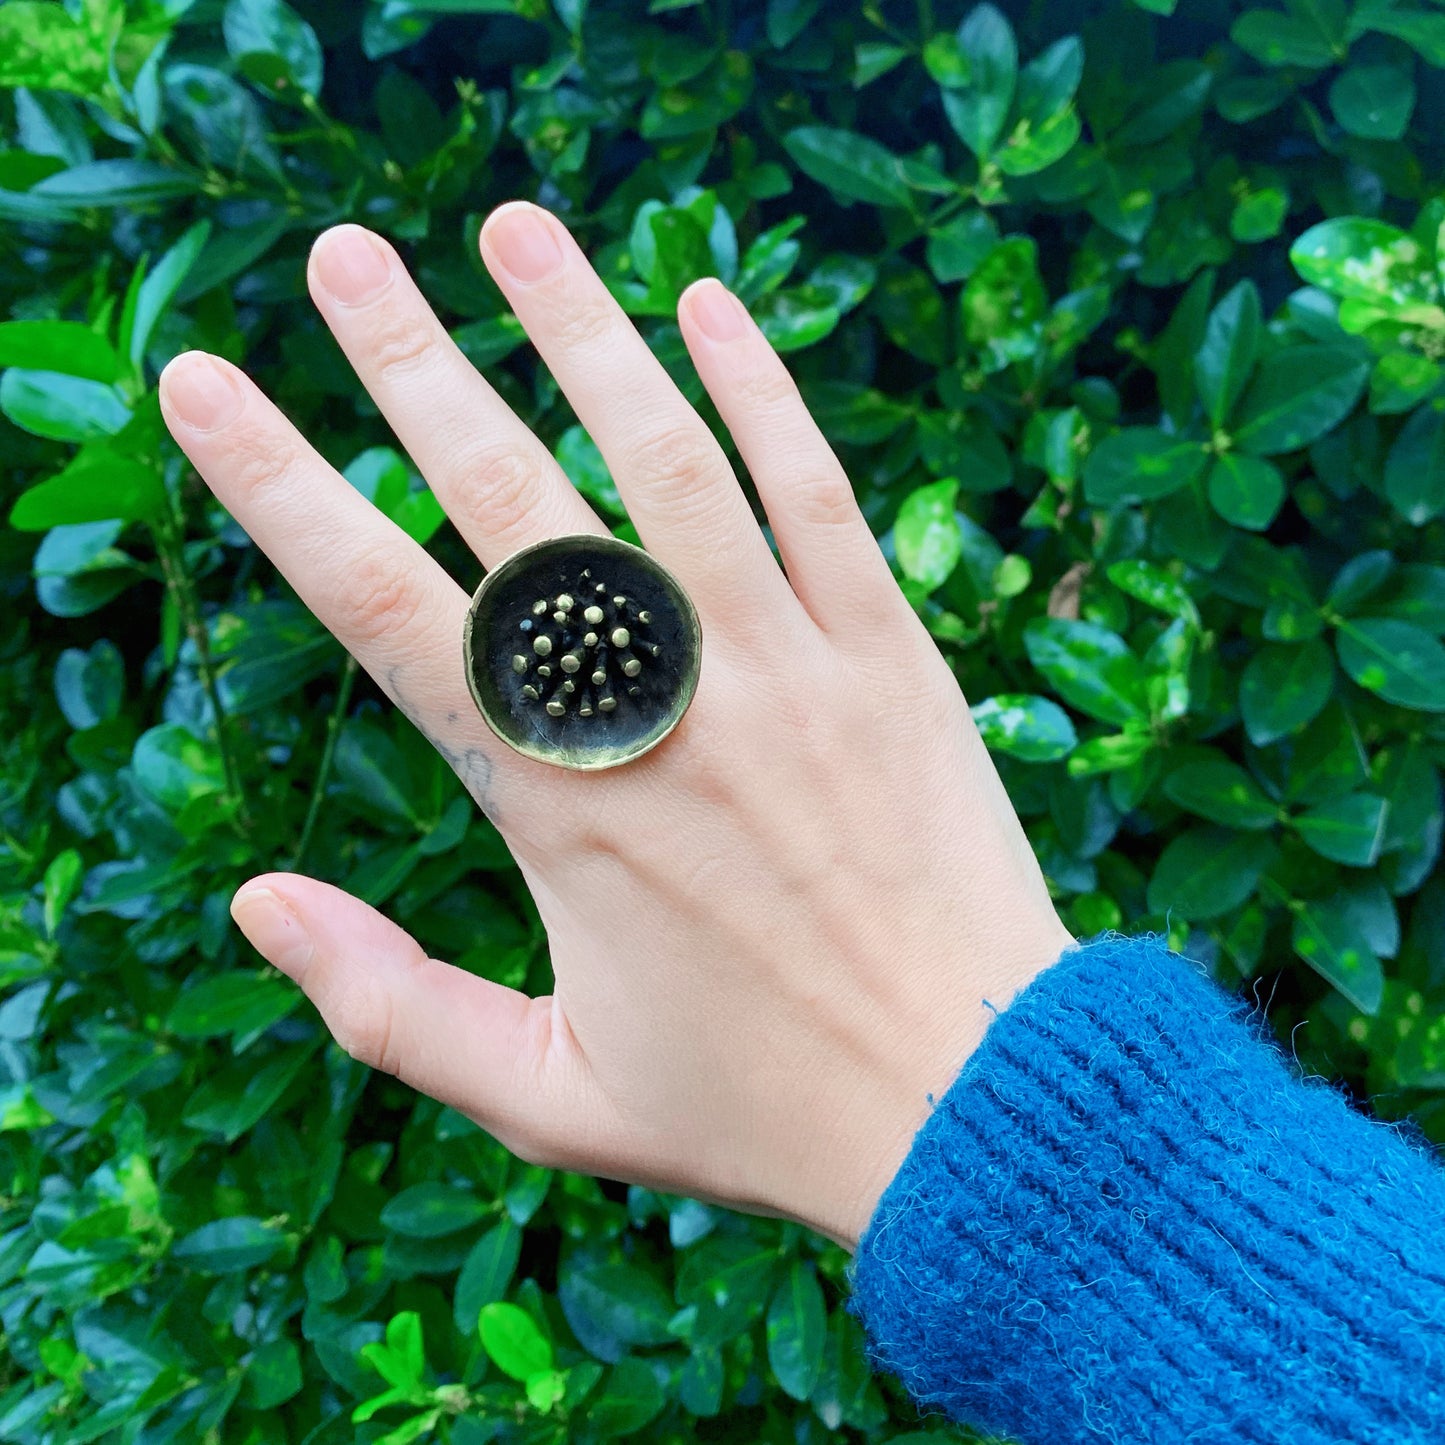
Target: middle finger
column 499, row 485
column 679, row 487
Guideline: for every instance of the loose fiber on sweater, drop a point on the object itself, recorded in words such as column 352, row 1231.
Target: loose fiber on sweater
column 1130, row 1219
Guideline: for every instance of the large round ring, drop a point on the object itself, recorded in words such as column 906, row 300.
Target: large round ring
column 582, row 651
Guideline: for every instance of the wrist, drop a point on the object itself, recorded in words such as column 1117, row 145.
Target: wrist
column 918, row 1058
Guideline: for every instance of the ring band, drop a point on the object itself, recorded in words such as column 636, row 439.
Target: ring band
column 582, row 651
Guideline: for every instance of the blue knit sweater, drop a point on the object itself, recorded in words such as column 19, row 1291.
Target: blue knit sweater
column 1130, row 1219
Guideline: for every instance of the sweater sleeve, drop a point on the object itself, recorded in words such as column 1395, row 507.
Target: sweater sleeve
column 1130, row 1219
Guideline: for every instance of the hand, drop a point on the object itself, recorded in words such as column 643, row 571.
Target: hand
column 773, row 934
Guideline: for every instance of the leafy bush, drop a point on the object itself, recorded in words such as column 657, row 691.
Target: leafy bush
column 1129, row 328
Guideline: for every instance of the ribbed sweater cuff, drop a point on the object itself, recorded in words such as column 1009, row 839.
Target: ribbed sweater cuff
column 1130, row 1219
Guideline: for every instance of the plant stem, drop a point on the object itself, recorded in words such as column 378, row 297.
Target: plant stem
column 169, row 533
column 328, row 753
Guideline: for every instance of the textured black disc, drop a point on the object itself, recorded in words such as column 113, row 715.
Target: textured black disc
column 582, row 651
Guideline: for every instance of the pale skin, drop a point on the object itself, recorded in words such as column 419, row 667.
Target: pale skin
column 779, row 932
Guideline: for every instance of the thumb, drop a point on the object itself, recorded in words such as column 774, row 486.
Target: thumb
column 496, row 1055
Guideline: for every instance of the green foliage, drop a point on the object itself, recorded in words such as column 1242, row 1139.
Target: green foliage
column 1129, row 328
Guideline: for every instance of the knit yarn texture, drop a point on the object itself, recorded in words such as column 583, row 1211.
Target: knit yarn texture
column 1131, row 1219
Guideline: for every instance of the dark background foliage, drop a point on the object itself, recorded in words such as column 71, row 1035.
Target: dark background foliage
column 1128, row 326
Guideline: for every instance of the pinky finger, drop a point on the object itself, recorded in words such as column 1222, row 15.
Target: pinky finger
column 828, row 549
column 484, row 1050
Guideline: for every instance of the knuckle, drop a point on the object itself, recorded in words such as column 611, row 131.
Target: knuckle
column 384, row 600
column 404, row 344
column 503, row 488
column 675, row 450
column 260, row 462
column 362, row 1022
column 769, row 391
column 584, row 327
column 828, row 501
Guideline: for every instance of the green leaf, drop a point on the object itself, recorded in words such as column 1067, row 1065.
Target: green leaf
column 1346, row 830
column 1396, row 659
column 1223, row 793
column 613, row 1307
column 1373, row 102
column 956, row 248
column 270, row 31
column 231, row 1003
column 118, row 183
column 62, row 408
column 1297, row 395
column 63, row 877
column 64, row 346
column 1415, row 468
column 979, row 110
column 99, row 485
column 1278, row 40
column 511, row 1338
column 1422, row 31
column 1109, row 754
column 273, row 1375
column 1155, row 587
column 231, row 1100
column 1004, row 304
column 1246, row 491
column 1367, row 260
column 90, row 687
column 797, row 1328
column 391, row 484
column 159, row 288
column 1231, row 344
column 43, row 46
column 1283, row 687
column 630, row 1397
column 175, row 767
column 1032, row 729
column 229, row 1246
column 432, row 1210
column 1089, row 667
column 1328, row 939
column 1140, row 464
column 1414, row 593
column 1207, row 872
column 487, row 1272
column 1259, row 215
column 854, row 167
column 1171, row 95
column 926, row 535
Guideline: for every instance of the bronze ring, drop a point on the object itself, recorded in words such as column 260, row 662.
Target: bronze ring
column 583, row 651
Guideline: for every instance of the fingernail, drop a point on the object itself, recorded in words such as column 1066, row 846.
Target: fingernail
column 718, row 313
column 524, row 243
column 274, row 930
column 201, row 391
column 350, row 264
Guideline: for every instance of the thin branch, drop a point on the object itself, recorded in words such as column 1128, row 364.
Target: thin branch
column 169, row 533
column 328, row 753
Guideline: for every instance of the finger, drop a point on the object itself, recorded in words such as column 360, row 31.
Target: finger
column 499, row 485
column 388, row 603
column 677, row 483
column 488, row 1051
column 827, row 546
